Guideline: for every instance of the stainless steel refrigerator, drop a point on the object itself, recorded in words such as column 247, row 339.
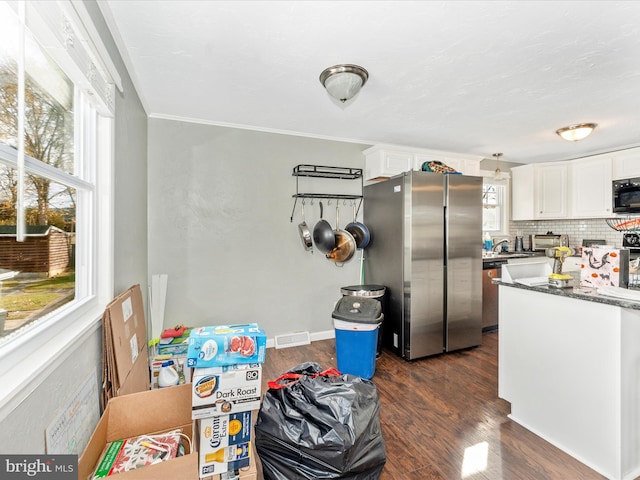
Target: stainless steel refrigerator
column 426, row 248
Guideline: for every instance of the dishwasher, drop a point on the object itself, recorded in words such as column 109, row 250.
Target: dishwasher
column 490, row 270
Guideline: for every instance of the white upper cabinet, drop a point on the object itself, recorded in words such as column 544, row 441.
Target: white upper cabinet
column 550, row 195
column 626, row 164
column 579, row 188
column 382, row 162
column 591, row 187
column 385, row 163
column 522, row 192
column 539, row 191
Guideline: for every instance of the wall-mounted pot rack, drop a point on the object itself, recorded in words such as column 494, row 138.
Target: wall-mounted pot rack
column 320, row 171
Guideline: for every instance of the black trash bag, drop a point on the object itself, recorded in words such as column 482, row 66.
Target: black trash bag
column 316, row 424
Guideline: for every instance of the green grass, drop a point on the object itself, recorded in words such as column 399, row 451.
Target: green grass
column 34, row 296
column 27, row 303
column 66, row 280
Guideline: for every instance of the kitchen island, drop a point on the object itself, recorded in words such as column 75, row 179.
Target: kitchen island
column 569, row 364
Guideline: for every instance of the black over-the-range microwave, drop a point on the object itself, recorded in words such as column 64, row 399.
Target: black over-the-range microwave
column 626, row 195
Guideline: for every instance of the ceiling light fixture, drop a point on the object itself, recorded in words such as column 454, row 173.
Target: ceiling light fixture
column 573, row 133
column 497, row 174
column 343, row 82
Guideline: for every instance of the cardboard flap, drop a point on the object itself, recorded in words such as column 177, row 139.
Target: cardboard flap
column 140, row 413
column 185, row 467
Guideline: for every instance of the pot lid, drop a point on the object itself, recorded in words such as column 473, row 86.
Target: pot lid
column 345, row 247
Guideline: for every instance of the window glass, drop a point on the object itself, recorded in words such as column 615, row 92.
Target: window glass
column 48, row 117
column 37, row 276
column 8, row 76
column 492, row 203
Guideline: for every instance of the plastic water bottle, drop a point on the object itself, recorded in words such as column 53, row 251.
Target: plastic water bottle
column 488, row 243
column 168, row 375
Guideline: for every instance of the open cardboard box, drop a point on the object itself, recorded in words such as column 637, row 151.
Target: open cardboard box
column 149, row 412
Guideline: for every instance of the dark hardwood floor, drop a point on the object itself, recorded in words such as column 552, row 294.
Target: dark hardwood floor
column 442, row 418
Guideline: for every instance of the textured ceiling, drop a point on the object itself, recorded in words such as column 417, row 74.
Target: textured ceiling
column 474, row 77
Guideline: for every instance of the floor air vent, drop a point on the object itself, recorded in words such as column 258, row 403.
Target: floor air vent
column 292, row 339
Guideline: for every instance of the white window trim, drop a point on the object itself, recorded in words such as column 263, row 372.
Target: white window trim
column 27, row 359
column 506, row 211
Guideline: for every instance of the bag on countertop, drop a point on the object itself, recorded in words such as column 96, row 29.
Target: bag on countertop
column 320, row 424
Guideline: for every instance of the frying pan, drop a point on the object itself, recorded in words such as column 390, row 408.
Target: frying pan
column 345, row 245
column 305, row 233
column 359, row 231
column 323, row 236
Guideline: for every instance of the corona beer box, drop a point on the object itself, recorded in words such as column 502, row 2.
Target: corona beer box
column 225, row 443
column 221, row 345
column 224, row 390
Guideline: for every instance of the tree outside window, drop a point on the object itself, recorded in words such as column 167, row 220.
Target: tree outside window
column 50, row 206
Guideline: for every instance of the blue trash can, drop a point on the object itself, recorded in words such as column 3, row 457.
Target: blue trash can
column 357, row 321
column 370, row 291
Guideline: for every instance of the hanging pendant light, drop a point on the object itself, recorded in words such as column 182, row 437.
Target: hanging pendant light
column 497, row 174
column 343, row 82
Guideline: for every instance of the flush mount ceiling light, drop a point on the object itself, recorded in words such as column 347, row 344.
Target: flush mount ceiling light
column 343, row 82
column 573, row 133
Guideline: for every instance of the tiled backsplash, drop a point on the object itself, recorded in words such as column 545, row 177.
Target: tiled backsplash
column 594, row 229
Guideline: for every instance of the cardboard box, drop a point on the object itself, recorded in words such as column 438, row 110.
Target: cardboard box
column 224, row 390
column 224, row 443
column 226, row 345
column 245, row 473
column 149, row 412
column 124, row 339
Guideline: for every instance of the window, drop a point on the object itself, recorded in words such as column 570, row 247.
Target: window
column 495, row 214
column 56, row 104
column 38, row 270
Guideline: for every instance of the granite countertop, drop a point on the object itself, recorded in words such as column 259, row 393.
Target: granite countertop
column 580, row 293
column 508, row 255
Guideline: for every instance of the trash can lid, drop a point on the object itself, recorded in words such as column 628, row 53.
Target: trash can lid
column 373, row 291
column 358, row 309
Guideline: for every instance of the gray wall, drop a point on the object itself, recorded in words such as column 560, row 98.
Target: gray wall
column 219, row 225
column 23, row 431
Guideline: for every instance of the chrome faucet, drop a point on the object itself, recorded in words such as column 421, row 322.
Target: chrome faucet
column 497, row 244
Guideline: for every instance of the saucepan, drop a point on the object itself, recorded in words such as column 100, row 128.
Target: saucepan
column 359, row 231
column 323, row 236
column 305, row 233
column 345, row 244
